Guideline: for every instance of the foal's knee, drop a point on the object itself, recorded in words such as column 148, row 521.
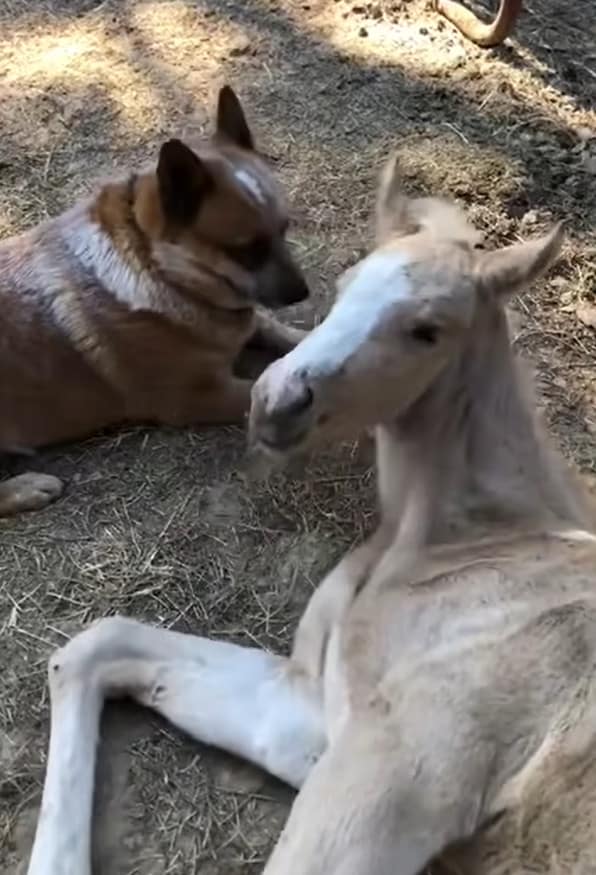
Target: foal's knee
column 80, row 659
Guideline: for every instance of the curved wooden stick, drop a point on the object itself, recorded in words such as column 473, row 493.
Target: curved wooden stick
column 479, row 32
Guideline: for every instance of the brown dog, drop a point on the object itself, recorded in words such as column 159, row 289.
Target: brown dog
column 134, row 305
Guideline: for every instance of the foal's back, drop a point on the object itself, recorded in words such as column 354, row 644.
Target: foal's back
column 488, row 656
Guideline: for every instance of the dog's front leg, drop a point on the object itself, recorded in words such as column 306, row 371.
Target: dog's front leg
column 271, row 334
column 229, row 403
column 223, row 402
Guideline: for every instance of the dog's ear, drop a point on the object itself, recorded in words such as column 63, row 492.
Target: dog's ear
column 231, row 121
column 183, row 181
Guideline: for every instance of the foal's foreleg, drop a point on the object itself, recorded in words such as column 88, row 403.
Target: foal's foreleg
column 240, row 699
column 378, row 802
column 331, row 600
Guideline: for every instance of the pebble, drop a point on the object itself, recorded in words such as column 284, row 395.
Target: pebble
column 529, row 218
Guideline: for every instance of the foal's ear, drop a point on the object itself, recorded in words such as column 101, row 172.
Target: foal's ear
column 231, row 121
column 392, row 213
column 399, row 215
column 508, row 270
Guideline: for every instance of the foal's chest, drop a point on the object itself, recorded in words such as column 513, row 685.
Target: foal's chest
column 456, row 608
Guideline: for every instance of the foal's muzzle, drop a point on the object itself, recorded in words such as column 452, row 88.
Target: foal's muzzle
column 281, row 414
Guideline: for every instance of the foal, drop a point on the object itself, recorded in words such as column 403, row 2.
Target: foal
column 442, row 693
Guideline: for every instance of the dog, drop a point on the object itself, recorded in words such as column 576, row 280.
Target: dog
column 134, row 305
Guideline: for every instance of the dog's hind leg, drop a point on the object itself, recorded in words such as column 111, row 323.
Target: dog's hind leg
column 241, row 699
column 30, row 491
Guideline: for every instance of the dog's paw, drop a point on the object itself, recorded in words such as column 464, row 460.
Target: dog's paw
column 30, row 491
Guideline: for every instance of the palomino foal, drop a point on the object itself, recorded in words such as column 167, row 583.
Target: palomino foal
column 442, row 692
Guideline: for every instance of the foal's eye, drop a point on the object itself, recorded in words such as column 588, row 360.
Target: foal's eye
column 425, row 332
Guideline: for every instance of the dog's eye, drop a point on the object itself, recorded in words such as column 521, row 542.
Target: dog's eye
column 251, row 255
column 425, row 332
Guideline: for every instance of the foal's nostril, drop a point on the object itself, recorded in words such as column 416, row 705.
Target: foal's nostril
column 299, row 404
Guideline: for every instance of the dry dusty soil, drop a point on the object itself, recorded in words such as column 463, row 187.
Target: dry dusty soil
column 164, row 525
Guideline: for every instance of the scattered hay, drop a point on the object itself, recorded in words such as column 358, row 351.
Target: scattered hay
column 164, row 525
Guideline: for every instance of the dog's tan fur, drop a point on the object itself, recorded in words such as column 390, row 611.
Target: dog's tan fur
column 134, row 305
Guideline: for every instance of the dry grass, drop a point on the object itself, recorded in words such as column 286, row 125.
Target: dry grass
column 164, row 525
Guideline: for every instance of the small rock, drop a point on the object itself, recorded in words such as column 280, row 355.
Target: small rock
column 590, row 164
column 242, row 48
column 424, row 31
column 363, row 32
column 586, row 313
column 376, row 12
column 529, row 218
column 559, row 282
column 584, row 134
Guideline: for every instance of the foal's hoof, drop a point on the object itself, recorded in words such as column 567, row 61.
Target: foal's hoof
column 30, row 491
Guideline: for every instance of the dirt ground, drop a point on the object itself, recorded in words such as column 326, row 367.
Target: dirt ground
column 167, row 526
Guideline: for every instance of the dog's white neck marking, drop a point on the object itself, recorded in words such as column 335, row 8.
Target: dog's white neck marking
column 95, row 251
column 250, row 184
column 129, row 284
column 374, row 288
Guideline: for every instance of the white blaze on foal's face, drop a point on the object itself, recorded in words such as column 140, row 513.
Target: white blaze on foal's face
column 387, row 336
column 368, row 296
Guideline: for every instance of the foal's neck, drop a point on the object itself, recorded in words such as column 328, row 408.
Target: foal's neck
column 469, row 456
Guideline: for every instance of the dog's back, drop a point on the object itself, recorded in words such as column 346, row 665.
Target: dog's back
column 49, row 389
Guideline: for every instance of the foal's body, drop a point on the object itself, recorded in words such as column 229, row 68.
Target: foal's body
column 442, row 688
